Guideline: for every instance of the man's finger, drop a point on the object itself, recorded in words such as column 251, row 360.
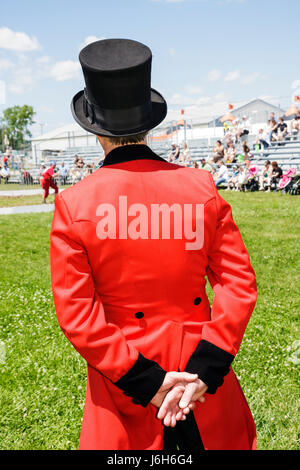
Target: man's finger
column 186, row 410
column 167, row 419
column 187, row 396
column 183, row 376
column 170, row 400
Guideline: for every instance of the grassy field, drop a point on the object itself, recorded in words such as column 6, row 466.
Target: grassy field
column 42, row 378
column 12, row 201
column 18, row 186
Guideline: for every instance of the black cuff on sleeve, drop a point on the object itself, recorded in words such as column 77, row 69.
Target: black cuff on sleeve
column 142, row 381
column 210, row 363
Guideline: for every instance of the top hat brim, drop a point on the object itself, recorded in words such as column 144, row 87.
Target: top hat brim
column 158, row 114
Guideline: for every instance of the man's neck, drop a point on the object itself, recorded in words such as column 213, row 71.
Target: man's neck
column 109, row 146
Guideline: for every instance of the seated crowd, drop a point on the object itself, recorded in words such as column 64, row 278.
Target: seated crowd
column 65, row 175
column 245, row 175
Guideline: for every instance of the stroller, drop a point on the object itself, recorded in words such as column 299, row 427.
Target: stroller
column 294, row 188
column 252, row 183
column 285, row 182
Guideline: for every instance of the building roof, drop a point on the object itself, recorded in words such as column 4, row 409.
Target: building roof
column 61, row 132
column 255, row 110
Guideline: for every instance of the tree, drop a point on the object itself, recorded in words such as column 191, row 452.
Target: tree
column 15, row 123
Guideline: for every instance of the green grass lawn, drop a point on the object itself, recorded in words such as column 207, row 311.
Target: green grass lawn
column 12, row 201
column 42, row 378
column 16, row 186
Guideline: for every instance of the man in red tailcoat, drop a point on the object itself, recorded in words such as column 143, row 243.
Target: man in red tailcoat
column 47, row 181
column 131, row 247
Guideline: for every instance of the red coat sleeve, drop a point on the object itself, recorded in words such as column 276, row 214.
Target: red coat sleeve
column 233, row 281
column 81, row 315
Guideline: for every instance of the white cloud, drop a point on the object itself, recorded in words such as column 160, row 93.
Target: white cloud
column 220, row 97
column 5, row 64
column 193, row 90
column 179, row 99
column 45, row 59
column 2, row 92
column 214, row 75
column 23, row 78
column 251, row 78
column 203, row 100
column 231, row 76
column 45, row 109
column 182, row 100
column 89, row 39
column 65, row 70
column 17, row 41
column 201, row 112
column 295, row 84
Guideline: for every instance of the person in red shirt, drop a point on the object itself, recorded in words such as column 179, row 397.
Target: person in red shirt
column 47, row 181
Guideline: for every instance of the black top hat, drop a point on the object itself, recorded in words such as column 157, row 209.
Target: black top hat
column 118, row 99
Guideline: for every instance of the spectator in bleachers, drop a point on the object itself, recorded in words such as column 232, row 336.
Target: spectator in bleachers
column 228, row 141
column 265, row 177
column 204, row 165
column 261, row 139
column 276, row 174
column 76, row 160
column 242, row 179
column 252, row 172
column 246, row 151
column 174, row 153
column 195, row 165
column 5, row 161
column 233, row 180
column 88, row 170
column 4, row 174
column 218, row 152
column 282, row 129
column 63, row 173
column 272, row 130
column 295, row 126
column 76, row 174
column 80, row 163
column 243, row 130
column 222, row 174
column 185, row 156
column 230, row 153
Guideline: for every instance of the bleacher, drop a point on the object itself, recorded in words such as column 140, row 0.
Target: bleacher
column 286, row 153
column 88, row 154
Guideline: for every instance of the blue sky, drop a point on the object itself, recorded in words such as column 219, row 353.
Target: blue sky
column 205, row 52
